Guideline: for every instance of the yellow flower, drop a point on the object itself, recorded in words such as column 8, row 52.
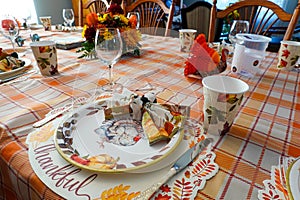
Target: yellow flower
column 83, row 31
column 102, row 18
column 124, row 19
column 107, row 35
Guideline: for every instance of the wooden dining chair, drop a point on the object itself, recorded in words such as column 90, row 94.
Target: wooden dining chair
column 196, row 16
column 96, row 6
column 261, row 14
column 154, row 16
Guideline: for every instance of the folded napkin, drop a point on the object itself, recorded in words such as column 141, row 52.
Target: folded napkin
column 205, row 60
column 159, row 121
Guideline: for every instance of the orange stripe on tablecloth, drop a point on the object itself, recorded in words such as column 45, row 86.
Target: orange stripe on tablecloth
column 254, row 104
column 280, row 120
column 37, row 183
column 17, row 97
column 245, row 120
column 53, row 83
column 267, row 116
column 238, row 131
column 296, row 125
column 258, row 96
column 275, row 144
column 297, row 105
column 248, row 172
column 285, row 103
column 294, row 151
column 249, row 111
column 273, row 100
column 9, row 150
column 225, row 161
column 257, row 138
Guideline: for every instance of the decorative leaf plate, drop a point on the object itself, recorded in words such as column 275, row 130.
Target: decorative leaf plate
column 105, row 138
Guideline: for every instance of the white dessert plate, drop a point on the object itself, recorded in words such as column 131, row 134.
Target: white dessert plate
column 20, row 50
column 103, row 140
column 293, row 179
column 20, row 70
column 35, row 26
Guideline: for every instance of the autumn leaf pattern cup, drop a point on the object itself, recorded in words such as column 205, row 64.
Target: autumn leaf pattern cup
column 46, row 57
column 187, row 37
column 223, row 96
column 46, row 21
column 289, row 54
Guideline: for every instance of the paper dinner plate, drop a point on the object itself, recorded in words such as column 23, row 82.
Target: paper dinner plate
column 293, row 180
column 9, row 74
column 88, row 139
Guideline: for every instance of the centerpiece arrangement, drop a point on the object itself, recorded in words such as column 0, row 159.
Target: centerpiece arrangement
column 113, row 18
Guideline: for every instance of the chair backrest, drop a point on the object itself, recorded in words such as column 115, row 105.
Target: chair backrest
column 154, row 14
column 96, row 6
column 197, row 16
column 261, row 14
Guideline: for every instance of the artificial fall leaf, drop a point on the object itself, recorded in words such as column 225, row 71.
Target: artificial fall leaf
column 118, row 192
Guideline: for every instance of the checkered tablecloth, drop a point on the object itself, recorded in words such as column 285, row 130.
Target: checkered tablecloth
column 266, row 127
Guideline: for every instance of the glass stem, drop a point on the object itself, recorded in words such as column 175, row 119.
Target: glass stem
column 12, row 43
column 110, row 75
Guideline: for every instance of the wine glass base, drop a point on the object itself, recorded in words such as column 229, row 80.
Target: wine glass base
column 115, row 87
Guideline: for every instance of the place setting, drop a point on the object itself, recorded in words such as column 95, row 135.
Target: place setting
column 109, row 143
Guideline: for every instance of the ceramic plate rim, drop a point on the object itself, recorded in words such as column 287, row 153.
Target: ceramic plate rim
column 180, row 135
column 290, row 172
column 15, row 71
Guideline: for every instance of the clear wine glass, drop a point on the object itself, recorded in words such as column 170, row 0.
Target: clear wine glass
column 68, row 16
column 108, row 47
column 238, row 26
column 134, row 17
column 9, row 28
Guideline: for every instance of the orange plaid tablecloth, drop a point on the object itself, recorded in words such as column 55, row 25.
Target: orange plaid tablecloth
column 266, row 127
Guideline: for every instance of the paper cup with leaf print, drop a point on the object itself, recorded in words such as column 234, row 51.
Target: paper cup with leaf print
column 289, row 54
column 46, row 21
column 223, row 96
column 187, row 37
column 46, row 57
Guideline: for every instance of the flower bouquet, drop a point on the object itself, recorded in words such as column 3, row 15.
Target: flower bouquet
column 205, row 60
column 112, row 18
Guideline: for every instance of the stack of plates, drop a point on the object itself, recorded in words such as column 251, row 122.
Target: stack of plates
column 88, row 139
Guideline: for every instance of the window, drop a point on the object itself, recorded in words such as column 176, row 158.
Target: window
column 20, row 9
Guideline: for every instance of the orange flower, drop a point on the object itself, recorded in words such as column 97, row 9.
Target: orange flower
column 133, row 21
column 92, row 19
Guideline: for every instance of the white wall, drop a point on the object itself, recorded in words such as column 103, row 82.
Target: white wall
column 52, row 8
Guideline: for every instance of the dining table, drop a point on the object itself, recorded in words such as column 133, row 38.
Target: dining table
column 244, row 160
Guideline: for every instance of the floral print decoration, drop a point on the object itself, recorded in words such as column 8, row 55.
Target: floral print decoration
column 216, row 116
column 44, row 62
column 287, row 56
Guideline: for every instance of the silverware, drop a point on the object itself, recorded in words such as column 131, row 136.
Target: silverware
column 179, row 165
column 77, row 102
column 51, row 117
